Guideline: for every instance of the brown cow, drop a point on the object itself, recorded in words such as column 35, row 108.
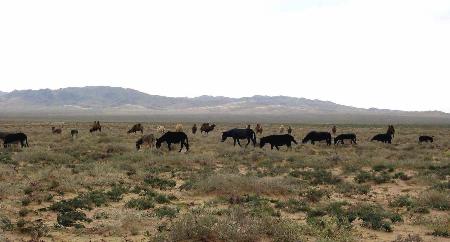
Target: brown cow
column 258, row 129
column 148, row 139
column 56, row 130
column 136, row 128
column 207, row 128
column 96, row 127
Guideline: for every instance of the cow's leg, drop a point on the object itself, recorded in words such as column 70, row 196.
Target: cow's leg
column 276, row 146
column 181, row 147
column 248, row 142
column 271, row 146
column 239, row 143
column 234, row 143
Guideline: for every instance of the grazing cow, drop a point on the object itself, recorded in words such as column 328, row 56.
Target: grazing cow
column 148, row 139
column 289, row 130
column 160, row 129
column 207, row 128
column 74, row 133
column 179, row 128
column 173, row 138
column 194, row 129
column 340, row 138
column 314, row 136
column 15, row 138
column 385, row 138
column 281, row 129
column 391, row 130
column 277, row 140
column 426, row 138
column 333, row 130
column 258, row 129
column 238, row 134
column 136, row 128
column 56, row 130
column 3, row 135
column 96, row 127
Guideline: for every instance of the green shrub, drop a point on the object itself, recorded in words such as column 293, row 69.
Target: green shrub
column 165, row 211
column 349, row 189
column 70, row 218
column 23, row 212
column 140, row 203
column 402, row 201
column 162, row 199
column 116, row 193
column 319, row 177
column 435, row 199
column 160, row 183
column 5, row 223
column 293, row 206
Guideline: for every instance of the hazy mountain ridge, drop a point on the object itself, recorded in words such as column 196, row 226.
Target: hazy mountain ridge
column 118, row 101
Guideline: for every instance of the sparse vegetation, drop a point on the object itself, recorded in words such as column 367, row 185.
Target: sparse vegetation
column 98, row 186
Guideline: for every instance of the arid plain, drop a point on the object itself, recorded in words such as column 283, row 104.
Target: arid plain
column 97, row 187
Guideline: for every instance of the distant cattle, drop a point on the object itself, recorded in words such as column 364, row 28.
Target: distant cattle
column 74, row 133
column 136, row 128
column 340, row 138
column 160, row 129
column 289, row 130
column 206, row 128
column 385, row 138
column 259, row 129
column 194, row 129
column 391, row 130
column 281, row 129
column 173, row 138
column 334, row 130
column 277, row 140
column 56, row 130
column 426, row 138
column 148, row 140
column 15, row 138
column 238, row 134
column 179, row 128
column 314, row 136
column 96, row 127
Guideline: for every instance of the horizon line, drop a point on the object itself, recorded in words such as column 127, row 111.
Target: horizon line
column 279, row 95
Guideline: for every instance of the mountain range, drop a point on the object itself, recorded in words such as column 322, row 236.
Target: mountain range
column 117, row 101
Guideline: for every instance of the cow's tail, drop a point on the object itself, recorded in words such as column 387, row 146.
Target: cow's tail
column 187, row 143
column 254, row 137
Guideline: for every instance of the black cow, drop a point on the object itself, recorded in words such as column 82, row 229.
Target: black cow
column 425, row 138
column 74, row 133
column 340, row 138
column 173, row 138
column 277, row 140
column 238, row 134
column 194, row 129
column 15, row 138
column 314, row 136
column 385, row 138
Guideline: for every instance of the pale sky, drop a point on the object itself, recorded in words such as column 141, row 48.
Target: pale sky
column 365, row 53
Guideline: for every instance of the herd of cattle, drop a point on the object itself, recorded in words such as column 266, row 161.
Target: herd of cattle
column 180, row 137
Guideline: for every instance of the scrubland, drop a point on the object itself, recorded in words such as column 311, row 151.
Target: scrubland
column 97, row 187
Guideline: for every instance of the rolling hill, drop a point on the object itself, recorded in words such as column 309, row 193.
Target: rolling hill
column 116, row 101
